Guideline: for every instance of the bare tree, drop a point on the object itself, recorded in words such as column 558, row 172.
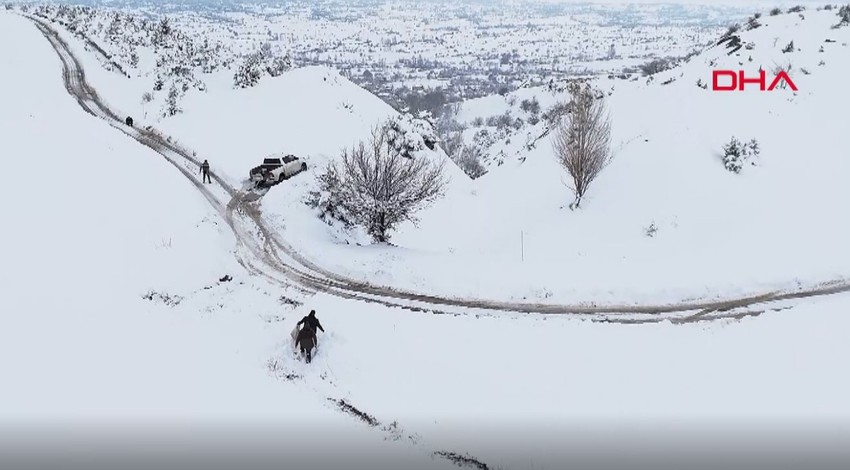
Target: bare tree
column 147, row 97
column 582, row 141
column 379, row 188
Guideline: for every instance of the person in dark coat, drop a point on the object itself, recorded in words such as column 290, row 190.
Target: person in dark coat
column 311, row 320
column 205, row 170
column 306, row 341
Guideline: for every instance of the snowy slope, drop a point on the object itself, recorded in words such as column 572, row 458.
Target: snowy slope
column 95, row 221
column 772, row 226
column 307, row 111
column 78, row 344
column 509, row 235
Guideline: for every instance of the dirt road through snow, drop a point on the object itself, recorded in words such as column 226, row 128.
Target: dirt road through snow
column 263, row 252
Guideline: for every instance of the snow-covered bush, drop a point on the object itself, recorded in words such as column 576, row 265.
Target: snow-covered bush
column 468, row 158
column 248, row 74
column 168, row 299
column 796, row 9
column 531, row 106
column 736, row 154
column 172, row 107
column 501, row 121
column 732, row 29
column 377, row 187
column 844, row 14
column 263, row 62
column 408, row 135
column 655, row 66
column 328, row 198
column 553, row 115
column 483, row 138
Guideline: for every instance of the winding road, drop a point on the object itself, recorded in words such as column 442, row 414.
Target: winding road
column 263, row 252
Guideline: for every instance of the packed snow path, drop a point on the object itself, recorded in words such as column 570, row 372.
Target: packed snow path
column 262, row 252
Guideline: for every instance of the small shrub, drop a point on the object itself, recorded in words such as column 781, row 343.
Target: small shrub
column 796, row 9
column 654, row 66
column 736, row 154
column 651, row 230
column 844, row 14
column 483, row 138
column 478, row 122
column 788, row 48
column 530, row 106
column 469, row 160
column 554, row 114
column 328, row 199
column 167, row 299
column 776, row 11
column 502, row 121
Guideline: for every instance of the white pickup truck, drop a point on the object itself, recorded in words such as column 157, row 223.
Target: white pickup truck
column 276, row 169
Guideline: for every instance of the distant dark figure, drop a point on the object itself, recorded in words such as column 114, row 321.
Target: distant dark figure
column 313, row 322
column 306, row 341
column 205, row 170
column 129, row 121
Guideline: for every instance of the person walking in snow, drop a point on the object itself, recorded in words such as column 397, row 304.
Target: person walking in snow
column 313, row 323
column 205, row 170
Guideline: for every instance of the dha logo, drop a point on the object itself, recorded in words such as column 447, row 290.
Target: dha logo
column 738, row 80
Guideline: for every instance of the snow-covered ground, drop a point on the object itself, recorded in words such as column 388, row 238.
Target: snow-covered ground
column 93, row 222
column 509, row 234
column 101, row 221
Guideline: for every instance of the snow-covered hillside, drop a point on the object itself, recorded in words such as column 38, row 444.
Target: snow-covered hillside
column 509, row 235
column 772, row 226
column 115, row 309
column 114, row 314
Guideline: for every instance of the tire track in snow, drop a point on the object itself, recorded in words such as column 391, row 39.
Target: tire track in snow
column 269, row 256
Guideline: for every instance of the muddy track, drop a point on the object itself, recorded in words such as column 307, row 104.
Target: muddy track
column 264, row 253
